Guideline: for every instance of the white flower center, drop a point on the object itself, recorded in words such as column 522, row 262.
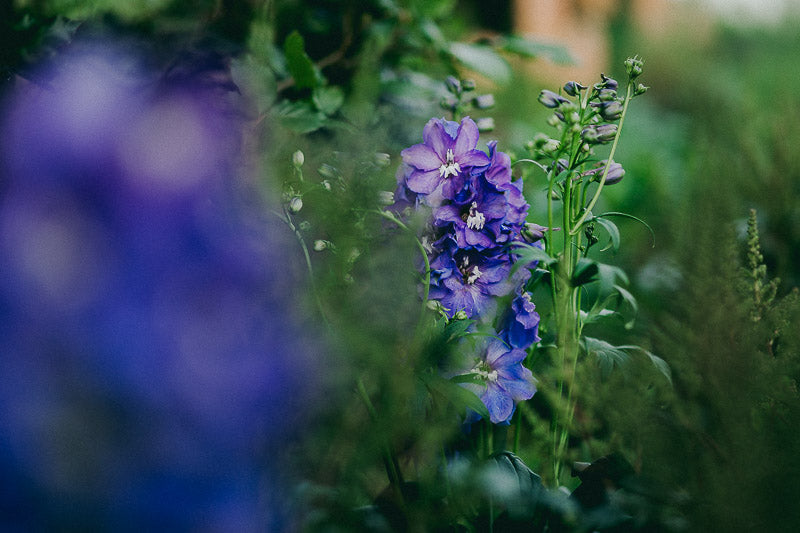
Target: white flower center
column 473, row 277
column 483, row 370
column 450, row 167
column 475, row 219
column 470, row 274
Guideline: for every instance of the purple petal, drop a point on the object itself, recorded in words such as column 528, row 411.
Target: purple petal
column 494, row 350
column 448, row 213
column 467, row 138
column 477, row 238
column 499, row 403
column 518, row 382
column 436, row 137
column 472, row 158
column 509, row 358
column 421, row 157
column 423, row 182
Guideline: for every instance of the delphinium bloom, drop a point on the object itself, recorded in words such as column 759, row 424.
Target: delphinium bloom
column 503, row 379
column 445, row 158
column 521, row 325
column 477, row 212
column 469, row 280
column 153, row 353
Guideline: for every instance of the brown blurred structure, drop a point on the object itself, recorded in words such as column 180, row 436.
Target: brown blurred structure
column 582, row 26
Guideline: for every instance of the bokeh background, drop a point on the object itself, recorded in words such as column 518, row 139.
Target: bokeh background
column 324, row 290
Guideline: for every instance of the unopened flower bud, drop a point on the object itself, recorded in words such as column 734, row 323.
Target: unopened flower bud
column 533, row 232
column 640, row 89
column 485, row 124
column 460, row 315
column 320, row 245
column 603, row 133
column 606, row 95
column 633, row 66
column 298, row 159
column 551, row 146
column 468, row 85
column 448, row 103
column 453, row 85
column 611, row 110
column 607, row 83
column 434, row 305
column 382, row 159
column 484, row 101
column 326, row 185
column 553, row 120
column 551, row 99
column 305, row 225
column 327, row 171
column 573, row 88
column 385, row 197
column 615, row 172
column 295, row 204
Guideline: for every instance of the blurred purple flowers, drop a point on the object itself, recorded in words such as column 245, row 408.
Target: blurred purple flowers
column 151, row 355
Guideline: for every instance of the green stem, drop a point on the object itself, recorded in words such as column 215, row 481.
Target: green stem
column 576, row 228
column 389, row 460
column 287, row 218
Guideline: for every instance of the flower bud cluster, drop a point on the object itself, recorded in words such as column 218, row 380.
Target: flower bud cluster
column 460, row 98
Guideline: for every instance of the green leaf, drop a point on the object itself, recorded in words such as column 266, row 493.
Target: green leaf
column 328, row 99
column 609, row 274
column 608, row 356
column 512, row 484
column 533, row 49
column 300, row 66
column 456, row 328
column 596, row 314
column 613, row 232
column 631, row 301
column 483, row 60
column 299, row 117
column 660, row 364
column 585, row 272
column 474, row 379
column 462, row 398
column 255, row 80
column 527, row 253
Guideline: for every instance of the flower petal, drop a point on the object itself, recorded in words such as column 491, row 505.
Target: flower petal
column 436, row 137
column 423, row 182
column 499, row 403
column 518, row 382
column 472, row 158
column 421, row 157
column 467, row 138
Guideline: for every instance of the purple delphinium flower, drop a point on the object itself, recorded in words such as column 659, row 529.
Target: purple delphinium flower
column 469, row 280
column 153, row 355
column 521, row 325
column 477, row 222
column 505, row 380
column 445, row 158
column 498, row 173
